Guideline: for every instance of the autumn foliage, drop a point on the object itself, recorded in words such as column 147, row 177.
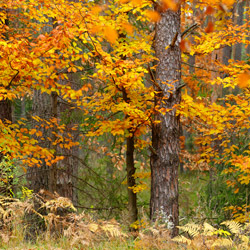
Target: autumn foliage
column 96, row 63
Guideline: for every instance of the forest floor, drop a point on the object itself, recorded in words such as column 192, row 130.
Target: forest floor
column 111, row 235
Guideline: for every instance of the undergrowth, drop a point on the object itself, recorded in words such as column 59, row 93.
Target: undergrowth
column 48, row 221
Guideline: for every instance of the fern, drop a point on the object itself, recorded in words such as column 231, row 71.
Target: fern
column 208, row 229
column 234, row 226
column 182, row 239
column 221, row 242
column 191, row 228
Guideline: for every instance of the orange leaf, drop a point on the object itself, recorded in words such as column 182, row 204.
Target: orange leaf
column 110, row 34
column 229, row 2
column 209, row 10
column 96, row 9
column 210, row 27
column 185, row 45
column 154, row 16
column 236, row 190
column 243, row 80
column 169, row 4
column 128, row 28
column 136, row 3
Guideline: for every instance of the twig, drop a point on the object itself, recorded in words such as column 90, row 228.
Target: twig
column 154, row 80
column 174, row 40
column 190, row 29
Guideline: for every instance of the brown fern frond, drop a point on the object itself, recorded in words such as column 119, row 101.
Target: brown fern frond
column 208, row 229
column 222, row 242
column 182, row 239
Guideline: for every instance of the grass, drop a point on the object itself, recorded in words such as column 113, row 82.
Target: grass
column 191, row 194
column 92, row 234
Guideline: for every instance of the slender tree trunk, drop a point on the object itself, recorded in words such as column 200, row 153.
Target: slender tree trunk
column 248, row 33
column 5, row 110
column 5, row 114
column 238, row 47
column 130, row 164
column 165, row 135
column 132, row 201
column 53, row 170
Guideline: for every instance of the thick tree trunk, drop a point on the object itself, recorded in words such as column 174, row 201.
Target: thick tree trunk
column 38, row 178
column 165, row 135
column 68, row 167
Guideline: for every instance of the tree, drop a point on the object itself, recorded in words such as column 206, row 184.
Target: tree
column 221, row 126
column 165, row 134
column 115, row 97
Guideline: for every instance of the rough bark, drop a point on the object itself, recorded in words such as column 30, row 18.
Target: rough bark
column 53, row 168
column 227, row 53
column 248, row 35
column 130, row 164
column 238, row 47
column 5, row 110
column 66, row 184
column 5, row 114
column 38, row 178
column 165, row 135
column 132, row 201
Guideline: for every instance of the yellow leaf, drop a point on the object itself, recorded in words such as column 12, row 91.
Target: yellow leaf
column 243, row 80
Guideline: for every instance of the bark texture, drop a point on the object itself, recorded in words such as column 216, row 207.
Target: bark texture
column 38, row 178
column 130, row 166
column 165, row 135
column 238, row 47
column 5, row 114
column 130, row 163
column 132, row 201
column 248, row 37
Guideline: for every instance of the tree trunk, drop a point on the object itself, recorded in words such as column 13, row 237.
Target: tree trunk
column 238, row 47
column 38, row 178
column 130, row 164
column 248, row 33
column 5, row 110
column 132, row 201
column 5, row 114
column 165, row 135
column 53, row 168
